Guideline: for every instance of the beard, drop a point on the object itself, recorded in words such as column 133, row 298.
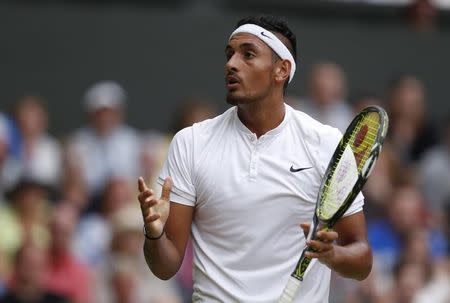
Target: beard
column 234, row 99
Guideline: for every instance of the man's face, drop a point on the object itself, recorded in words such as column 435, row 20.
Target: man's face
column 105, row 119
column 249, row 70
column 32, row 118
column 327, row 85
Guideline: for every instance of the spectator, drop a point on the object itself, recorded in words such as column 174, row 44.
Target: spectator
column 327, row 91
column 66, row 274
column 106, row 146
column 417, row 250
column 94, row 232
column 124, row 275
column 191, row 111
column 9, row 167
column 154, row 149
column 410, row 132
column 23, row 218
column 40, row 154
column 27, row 285
column 422, row 15
column 124, row 281
column 434, row 171
column 388, row 236
column 409, row 278
column 362, row 292
column 436, row 290
column 389, row 173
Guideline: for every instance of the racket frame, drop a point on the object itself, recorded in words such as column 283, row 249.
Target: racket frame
column 317, row 223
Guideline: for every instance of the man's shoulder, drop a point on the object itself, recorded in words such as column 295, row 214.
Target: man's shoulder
column 208, row 127
column 219, row 120
column 312, row 130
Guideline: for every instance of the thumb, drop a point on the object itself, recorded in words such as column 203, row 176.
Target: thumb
column 305, row 227
column 166, row 188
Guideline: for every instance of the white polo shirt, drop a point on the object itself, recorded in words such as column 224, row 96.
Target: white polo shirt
column 248, row 204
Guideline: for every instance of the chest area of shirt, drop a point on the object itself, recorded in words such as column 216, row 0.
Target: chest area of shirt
column 280, row 168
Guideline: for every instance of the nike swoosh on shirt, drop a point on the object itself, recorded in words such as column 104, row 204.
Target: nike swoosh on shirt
column 296, row 170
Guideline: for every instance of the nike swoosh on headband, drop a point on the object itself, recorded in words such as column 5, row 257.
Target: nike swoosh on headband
column 262, row 33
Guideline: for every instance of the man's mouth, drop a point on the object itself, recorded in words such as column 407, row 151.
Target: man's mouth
column 232, row 81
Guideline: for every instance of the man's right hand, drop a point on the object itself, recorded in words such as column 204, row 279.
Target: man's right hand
column 154, row 211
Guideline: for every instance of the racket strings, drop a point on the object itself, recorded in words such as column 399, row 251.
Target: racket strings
column 337, row 186
column 368, row 126
column 349, row 162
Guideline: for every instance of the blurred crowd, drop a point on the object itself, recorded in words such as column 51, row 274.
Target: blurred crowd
column 70, row 223
column 407, row 197
column 71, row 227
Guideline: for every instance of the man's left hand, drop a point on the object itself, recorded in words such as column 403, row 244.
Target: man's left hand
column 322, row 247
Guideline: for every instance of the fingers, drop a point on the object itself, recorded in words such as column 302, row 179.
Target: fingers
column 166, row 188
column 141, row 185
column 319, row 246
column 320, row 250
column 144, row 191
column 320, row 255
column 148, row 214
column 322, row 247
column 152, row 217
column 143, row 196
column 305, row 227
column 327, row 236
column 151, row 207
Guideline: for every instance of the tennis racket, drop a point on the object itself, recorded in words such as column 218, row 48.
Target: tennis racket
column 347, row 171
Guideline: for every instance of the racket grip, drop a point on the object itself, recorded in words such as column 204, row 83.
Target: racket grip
column 290, row 290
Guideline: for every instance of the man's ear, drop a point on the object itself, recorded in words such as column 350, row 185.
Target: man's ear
column 282, row 71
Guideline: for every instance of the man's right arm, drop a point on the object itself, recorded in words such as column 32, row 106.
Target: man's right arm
column 170, row 220
column 165, row 255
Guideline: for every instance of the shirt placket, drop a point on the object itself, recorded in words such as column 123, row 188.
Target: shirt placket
column 253, row 169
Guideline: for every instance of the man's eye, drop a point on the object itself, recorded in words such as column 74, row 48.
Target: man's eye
column 249, row 55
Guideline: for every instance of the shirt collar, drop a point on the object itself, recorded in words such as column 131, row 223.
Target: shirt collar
column 273, row 132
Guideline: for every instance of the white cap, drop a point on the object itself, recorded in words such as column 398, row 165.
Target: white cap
column 105, row 94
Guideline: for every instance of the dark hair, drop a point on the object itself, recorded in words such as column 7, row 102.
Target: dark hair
column 275, row 25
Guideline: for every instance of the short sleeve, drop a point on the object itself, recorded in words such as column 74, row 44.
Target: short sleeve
column 178, row 166
column 328, row 142
column 356, row 206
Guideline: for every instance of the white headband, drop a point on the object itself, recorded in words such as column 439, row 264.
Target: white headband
column 271, row 40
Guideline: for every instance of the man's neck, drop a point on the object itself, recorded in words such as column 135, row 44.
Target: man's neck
column 263, row 115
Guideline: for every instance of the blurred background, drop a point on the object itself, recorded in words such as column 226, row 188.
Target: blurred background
column 92, row 92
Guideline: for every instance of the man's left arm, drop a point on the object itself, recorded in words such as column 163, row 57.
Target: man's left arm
column 345, row 249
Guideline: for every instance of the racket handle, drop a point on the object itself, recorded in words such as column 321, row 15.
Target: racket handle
column 290, row 290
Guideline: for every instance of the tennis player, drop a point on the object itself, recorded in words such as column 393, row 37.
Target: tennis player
column 242, row 183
